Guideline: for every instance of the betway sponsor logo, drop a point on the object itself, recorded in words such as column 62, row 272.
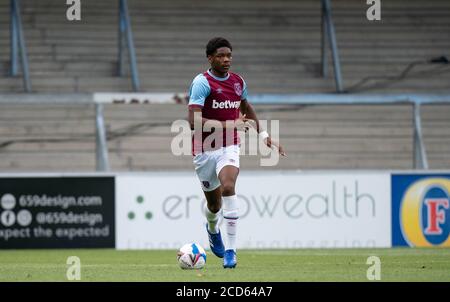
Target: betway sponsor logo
column 226, row 104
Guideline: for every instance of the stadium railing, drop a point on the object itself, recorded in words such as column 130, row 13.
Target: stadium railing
column 126, row 36
column 18, row 45
column 329, row 39
column 101, row 145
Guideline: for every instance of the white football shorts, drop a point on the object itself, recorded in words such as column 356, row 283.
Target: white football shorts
column 209, row 164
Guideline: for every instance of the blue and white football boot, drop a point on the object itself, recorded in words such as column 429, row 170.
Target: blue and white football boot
column 216, row 243
column 229, row 260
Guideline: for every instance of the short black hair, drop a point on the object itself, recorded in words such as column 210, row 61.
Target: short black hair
column 216, row 43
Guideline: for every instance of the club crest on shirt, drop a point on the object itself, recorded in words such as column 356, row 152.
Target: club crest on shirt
column 238, row 89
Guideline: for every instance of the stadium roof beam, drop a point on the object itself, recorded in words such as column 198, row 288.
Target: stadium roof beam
column 126, row 36
column 18, row 45
column 329, row 39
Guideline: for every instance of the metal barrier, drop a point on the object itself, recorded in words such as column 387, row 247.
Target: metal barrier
column 126, row 35
column 328, row 32
column 420, row 155
column 18, row 45
column 101, row 146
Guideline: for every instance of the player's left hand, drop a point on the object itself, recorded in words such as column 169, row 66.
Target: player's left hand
column 269, row 142
column 243, row 123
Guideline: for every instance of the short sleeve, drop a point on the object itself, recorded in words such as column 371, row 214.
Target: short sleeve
column 199, row 91
column 244, row 94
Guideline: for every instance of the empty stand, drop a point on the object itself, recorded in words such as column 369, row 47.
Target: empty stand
column 276, row 45
column 276, row 49
column 62, row 137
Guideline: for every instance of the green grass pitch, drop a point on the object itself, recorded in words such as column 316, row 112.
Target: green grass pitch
column 399, row 264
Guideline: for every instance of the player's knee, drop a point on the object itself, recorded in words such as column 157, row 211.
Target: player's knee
column 228, row 188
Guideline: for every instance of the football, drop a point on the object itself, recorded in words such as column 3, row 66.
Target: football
column 191, row 256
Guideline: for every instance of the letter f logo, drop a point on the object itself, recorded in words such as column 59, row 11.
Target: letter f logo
column 436, row 215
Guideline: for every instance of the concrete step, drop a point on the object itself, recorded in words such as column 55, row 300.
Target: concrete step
column 30, row 129
column 202, row 34
column 163, row 44
column 298, row 144
column 48, row 161
column 156, row 144
column 299, row 71
column 251, row 3
column 239, row 67
column 164, row 161
column 287, row 128
column 286, row 64
column 68, row 85
column 300, row 39
column 97, row 50
column 39, row 112
column 194, row 18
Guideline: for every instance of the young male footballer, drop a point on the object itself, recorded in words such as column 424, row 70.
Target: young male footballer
column 216, row 99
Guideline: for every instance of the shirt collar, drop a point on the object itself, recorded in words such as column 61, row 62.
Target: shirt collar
column 218, row 78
